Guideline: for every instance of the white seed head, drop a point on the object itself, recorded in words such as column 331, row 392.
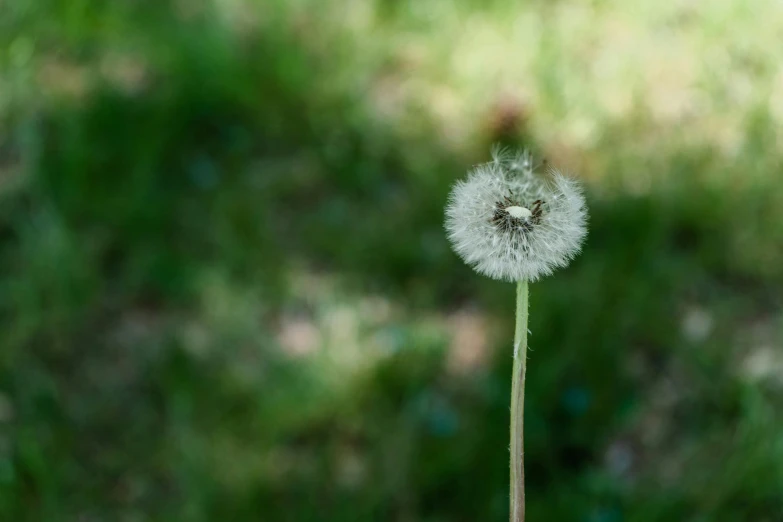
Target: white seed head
column 510, row 223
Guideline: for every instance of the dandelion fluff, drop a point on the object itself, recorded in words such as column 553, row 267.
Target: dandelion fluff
column 509, row 223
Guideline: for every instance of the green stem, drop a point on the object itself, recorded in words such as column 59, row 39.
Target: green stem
column 518, row 406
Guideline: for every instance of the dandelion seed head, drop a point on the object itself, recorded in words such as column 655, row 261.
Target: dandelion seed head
column 510, row 223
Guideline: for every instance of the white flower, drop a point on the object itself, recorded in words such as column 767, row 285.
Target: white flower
column 509, row 223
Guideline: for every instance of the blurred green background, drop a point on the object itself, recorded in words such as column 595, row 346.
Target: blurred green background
column 226, row 293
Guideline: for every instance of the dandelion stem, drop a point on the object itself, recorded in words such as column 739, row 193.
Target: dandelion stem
column 518, row 406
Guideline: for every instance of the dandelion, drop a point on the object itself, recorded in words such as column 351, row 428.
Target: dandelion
column 510, row 223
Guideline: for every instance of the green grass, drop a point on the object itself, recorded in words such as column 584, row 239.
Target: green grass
column 226, row 294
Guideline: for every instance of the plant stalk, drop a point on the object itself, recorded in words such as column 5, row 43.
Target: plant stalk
column 517, row 513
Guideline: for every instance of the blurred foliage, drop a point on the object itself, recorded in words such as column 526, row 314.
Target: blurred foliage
column 225, row 292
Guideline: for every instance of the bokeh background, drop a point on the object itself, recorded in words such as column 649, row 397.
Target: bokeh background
column 226, row 294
